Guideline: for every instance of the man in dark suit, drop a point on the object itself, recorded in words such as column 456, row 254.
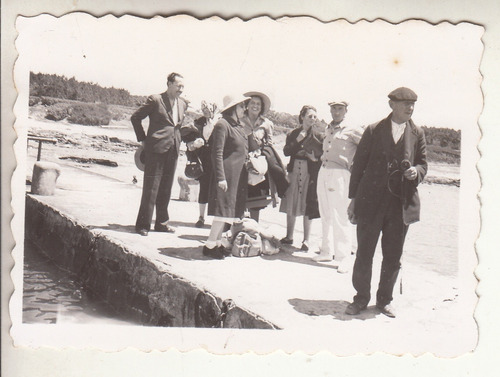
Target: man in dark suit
column 388, row 165
column 161, row 147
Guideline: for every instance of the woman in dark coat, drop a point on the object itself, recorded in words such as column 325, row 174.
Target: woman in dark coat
column 196, row 138
column 300, row 198
column 228, row 185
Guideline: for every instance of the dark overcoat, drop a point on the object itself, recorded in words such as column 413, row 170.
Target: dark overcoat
column 370, row 173
column 229, row 151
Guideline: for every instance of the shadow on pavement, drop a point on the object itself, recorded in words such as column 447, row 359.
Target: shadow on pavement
column 131, row 229
column 186, row 224
column 184, row 253
column 334, row 308
column 117, row 227
column 288, row 255
column 193, row 237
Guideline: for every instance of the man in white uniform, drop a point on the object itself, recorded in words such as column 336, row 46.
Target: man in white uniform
column 339, row 147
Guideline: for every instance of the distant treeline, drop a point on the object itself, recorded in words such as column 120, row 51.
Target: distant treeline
column 55, row 86
column 52, row 85
column 443, row 137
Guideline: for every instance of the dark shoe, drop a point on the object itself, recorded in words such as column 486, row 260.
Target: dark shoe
column 387, row 310
column 164, row 228
column 286, row 241
column 354, row 308
column 305, row 246
column 200, row 222
column 214, row 253
column 142, row 232
column 224, row 251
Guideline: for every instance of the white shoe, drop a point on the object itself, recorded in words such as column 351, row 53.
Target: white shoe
column 345, row 265
column 323, row 257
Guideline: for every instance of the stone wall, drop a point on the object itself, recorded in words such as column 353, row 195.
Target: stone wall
column 130, row 283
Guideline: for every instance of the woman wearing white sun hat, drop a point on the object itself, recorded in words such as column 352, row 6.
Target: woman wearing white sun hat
column 260, row 131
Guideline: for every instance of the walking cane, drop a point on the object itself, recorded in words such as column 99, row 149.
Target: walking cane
column 401, row 280
column 405, row 164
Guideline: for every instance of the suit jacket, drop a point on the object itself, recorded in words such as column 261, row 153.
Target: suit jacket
column 370, row 175
column 162, row 133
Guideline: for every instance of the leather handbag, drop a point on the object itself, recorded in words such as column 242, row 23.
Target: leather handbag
column 194, row 169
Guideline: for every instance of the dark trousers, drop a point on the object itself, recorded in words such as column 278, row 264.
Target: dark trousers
column 389, row 221
column 159, row 174
column 204, row 186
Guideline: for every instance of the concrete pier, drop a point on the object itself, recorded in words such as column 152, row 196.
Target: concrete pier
column 87, row 227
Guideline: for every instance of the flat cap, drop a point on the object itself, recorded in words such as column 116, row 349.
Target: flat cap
column 342, row 103
column 403, row 94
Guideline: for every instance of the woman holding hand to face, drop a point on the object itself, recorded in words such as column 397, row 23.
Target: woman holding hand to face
column 303, row 160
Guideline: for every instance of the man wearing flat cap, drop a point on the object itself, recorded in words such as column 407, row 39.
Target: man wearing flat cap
column 339, row 147
column 388, row 165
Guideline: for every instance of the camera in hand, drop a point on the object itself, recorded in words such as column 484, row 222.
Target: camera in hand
column 405, row 165
column 396, row 177
column 394, row 166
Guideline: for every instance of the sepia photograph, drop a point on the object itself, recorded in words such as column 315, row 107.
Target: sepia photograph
column 246, row 185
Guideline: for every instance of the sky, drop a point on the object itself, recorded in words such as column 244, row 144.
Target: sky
column 296, row 61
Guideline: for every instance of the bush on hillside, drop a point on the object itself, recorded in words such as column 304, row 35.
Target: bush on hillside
column 117, row 113
column 48, row 101
column 90, row 114
column 33, row 100
column 58, row 111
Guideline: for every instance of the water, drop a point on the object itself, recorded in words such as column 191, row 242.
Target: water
column 51, row 296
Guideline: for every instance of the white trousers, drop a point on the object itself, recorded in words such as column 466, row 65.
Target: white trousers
column 333, row 191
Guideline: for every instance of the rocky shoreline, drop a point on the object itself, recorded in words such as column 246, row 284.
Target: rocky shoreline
column 119, row 138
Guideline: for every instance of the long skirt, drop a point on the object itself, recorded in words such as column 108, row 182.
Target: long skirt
column 294, row 201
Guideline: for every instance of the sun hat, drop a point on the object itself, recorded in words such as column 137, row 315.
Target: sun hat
column 267, row 102
column 232, row 100
column 342, row 103
column 140, row 158
column 403, row 94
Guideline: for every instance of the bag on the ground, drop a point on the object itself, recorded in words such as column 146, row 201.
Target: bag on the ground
column 269, row 247
column 246, row 225
column 245, row 245
column 194, row 169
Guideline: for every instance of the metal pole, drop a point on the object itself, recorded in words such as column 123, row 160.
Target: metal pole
column 39, row 150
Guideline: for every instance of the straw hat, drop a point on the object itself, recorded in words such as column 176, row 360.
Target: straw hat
column 140, row 158
column 232, row 100
column 267, row 102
